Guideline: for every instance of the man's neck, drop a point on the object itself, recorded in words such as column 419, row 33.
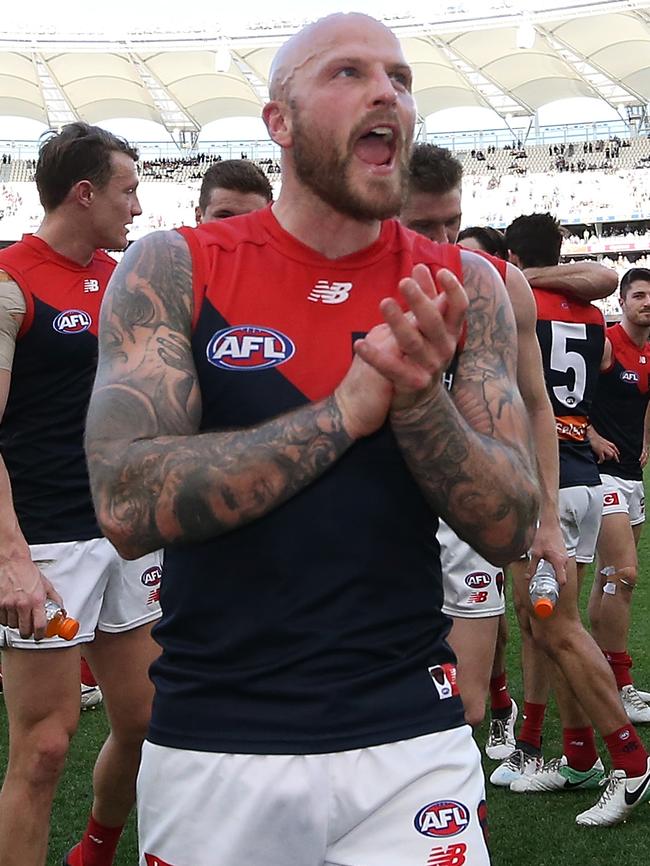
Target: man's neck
column 65, row 238
column 636, row 333
column 317, row 225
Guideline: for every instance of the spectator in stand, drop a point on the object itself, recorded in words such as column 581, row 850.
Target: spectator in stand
column 231, row 188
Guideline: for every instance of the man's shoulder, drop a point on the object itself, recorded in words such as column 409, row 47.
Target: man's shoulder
column 229, row 233
column 424, row 250
column 557, row 303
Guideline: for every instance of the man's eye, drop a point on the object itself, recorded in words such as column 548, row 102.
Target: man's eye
column 402, row 79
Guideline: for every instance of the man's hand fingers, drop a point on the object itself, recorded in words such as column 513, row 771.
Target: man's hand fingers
column 457, row 301
column 400, row 371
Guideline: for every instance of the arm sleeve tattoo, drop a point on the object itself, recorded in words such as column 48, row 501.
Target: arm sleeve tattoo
column 155, row 479
column 471, row 451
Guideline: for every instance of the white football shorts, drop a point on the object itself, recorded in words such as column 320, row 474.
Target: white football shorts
column 99, row 589
column 417, row 802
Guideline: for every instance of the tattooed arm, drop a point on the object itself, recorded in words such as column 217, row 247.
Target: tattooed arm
column 155, row 480
column 548, row 542
column 470, row 454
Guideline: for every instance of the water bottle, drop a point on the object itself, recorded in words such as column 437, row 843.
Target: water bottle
column 59, row 624
column 544, row 590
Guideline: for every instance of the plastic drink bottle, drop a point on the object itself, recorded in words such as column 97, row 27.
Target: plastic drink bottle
column 544, row 590
column 59, row 624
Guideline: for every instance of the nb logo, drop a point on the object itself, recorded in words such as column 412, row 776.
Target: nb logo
column 454, row 855
column 91, row 285
column 330, row 293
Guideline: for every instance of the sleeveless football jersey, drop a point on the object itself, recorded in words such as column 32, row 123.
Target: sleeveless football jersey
column 571, row 335
column 317, row 627
column 41, row 434
column 619, row 407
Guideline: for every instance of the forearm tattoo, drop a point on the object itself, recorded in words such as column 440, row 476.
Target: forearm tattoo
column 156, row 481
column 471, row 453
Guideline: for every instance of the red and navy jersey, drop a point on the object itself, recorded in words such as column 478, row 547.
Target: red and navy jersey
column 317, row 627
column 619, row 407
column 41, row 435
column 571, row 335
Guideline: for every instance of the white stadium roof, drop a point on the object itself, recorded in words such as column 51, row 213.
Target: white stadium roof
column 208, row 66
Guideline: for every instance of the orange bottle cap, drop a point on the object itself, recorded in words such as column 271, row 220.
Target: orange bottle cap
column 68, row 628
column 544, row 608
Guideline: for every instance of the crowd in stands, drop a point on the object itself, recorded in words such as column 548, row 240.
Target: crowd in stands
column 496, row 196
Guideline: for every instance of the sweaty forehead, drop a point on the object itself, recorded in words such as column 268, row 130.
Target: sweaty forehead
column 345, row 34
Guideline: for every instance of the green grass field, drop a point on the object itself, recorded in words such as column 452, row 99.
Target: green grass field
column 533, row 829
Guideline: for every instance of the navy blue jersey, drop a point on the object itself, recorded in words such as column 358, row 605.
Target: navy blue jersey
column 571, row 335
column 41, row 435
column 317, row 627
column 619, row 407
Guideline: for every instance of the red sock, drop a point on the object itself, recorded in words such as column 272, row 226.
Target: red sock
column 97, row 846
column 579, row 748
column 87, row 676
column 499, row 695
column 531, row 730
column 627, row 751
column 620, row 663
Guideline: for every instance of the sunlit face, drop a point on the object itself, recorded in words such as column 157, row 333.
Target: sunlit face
column 224, row 203
column 436, row 216
column 114, row 206
column 352, row 117
column 636, row 305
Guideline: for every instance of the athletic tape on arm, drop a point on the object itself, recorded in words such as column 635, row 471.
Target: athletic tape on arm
column 12, row 309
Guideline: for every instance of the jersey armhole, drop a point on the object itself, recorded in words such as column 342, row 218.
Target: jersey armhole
column 459, row 273
column 28, row 318
column 198, row 271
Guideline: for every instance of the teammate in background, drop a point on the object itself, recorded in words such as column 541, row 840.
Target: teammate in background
column 91, row 694
column 318, row 694
column 230, row 188
column 619, row 436
column 503, row 709
column 572, row 339
column 484, row 239
column 51, row 285
column 473, row 587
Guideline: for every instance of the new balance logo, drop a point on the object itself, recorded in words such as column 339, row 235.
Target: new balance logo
column 330, row 293
column 454, row 855
column 91, row 286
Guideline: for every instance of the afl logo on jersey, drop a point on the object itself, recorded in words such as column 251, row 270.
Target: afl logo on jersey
column 72, row 322
column 249, row 347
column 629, row 376
column 152, row 576
column 478, row 580
column 442, row 818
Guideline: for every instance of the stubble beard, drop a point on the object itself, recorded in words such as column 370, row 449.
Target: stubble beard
column 326, row 173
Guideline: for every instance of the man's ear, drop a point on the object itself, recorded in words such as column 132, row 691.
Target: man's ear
column 83, row 192
column 277, row 118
